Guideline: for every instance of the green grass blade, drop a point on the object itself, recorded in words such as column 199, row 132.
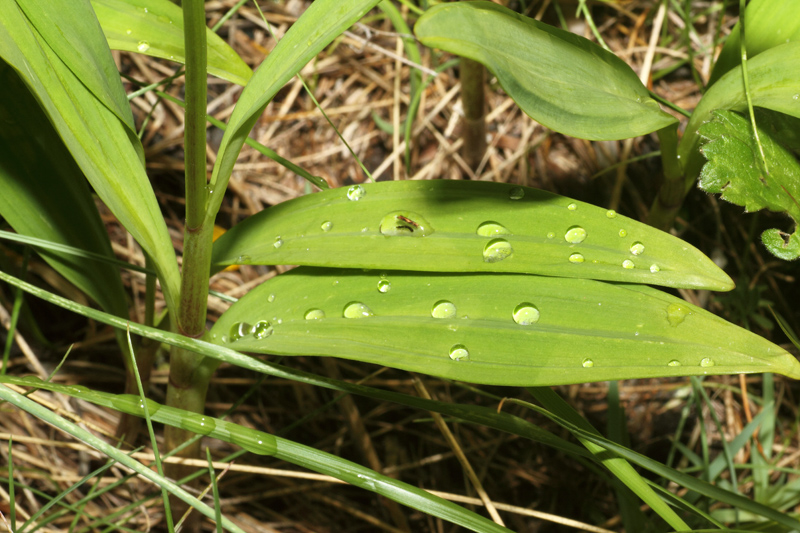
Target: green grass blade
column 560, row 79
column 493, row 329
column 155, row 28
column 465, row 226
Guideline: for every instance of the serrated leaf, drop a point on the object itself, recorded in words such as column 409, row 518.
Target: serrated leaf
column 560, row 79
column 465, row 226
column 734, row 171
column 493, row 329
column 155, row 28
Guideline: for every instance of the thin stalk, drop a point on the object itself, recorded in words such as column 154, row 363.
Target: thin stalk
column 473, row 100
column 15, row 311
column 673, row 190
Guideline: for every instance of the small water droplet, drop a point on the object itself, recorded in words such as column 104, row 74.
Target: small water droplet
column 278, row 242
column 384, row 286
column 490, row 229
column 252, row 440
column 628, row 264
column 526, row 314
column 244, row 260
column 406, row 224
column 676, row 313
column 443, row 309
column 587, row 363
column 623, row 233
column 239, row 330
column 517, row 193
column 572, row 207
column 654, row 268
column 327, row 225
column 202, row 425
column 576, row 258
column 128, row 32
column 143, row 46
column 262, row 329
column 575, row 235
column 796, row 97
column 611, row 213
column 165, row 19
column 637, row 248
column 674, row 362
column 271, row 298
column 551, row 235
column 356, row 193
column 357, row 310
column 459, row 352
column 496, row 250
column 706, row 362
column 314, row 314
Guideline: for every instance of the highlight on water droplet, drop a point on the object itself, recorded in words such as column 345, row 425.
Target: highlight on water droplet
column 575, row 235
column 516, row 193
column 654, row 268
column 384, row 286
column 490, row 229
column 443, row 309
column 572, row 207
column 674, row 362
column 357, row 310
column 587, row 363
column 637, row 248
column 356, row 193
column 143, row 46
column 128, row 32
column 611, row 213
column 405, row 223
column 576, row 258
column 202, row 425
column 628, row 264
column 706, row 362
column 496, row 250
column 278, row 242
column 262, row 329
column 314, row 314
column 551, row 234
column 676, row 313
column 326, row 226
column 526, row 314
column 623, row 233
column 239, row 330
column 459, row 352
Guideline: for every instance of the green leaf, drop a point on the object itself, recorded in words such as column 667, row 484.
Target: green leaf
column 45, row 195
column 561, row 80
column 493, row 329
column 769, row 23
column 465, row 226
column 734, row 170
column 155, row 28
column 103, row 147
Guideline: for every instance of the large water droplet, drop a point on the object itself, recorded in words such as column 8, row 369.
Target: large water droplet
column 262, row 329
column 637, row 248
column 526, row 314
column 497, row 250
column 405, row 223
column 611, row 213
column 674, row 362
column 575, row 235
column 676, row 313
column 459, row 352
column 587, row 363
column 628, row 264
column 443, row 309
column 706, row 362
column 517, row 193
column 356, row 193
column 314, row 314
column 654, row 268
column 572, row 207
column 239, row 330
column 278, row 242
column 327, row 225
column 576, row 258
column 357, row 310
column 143, row 46
column 490, row 229
column 384, row 286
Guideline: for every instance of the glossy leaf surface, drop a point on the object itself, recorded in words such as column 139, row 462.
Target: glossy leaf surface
column 465, row 226
column 493, row 329
column 559, row 79
column 155, row 28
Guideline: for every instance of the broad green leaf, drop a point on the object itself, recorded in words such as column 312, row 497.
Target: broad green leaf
column 734, row 170
column 322, row 22
column 493, row 329
column 559, row 79
column 102, row 146
column 45, row 195
column 155, row 28
column 768, row 23
column 465, row 226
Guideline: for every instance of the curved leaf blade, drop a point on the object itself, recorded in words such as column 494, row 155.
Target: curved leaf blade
column 155, row 28
column 465, row 224
column 493, row 329
column 559, row 79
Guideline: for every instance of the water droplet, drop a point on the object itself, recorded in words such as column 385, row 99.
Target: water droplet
column 443, row 309
column 143, row 46
column 654, row 268
column 628, row 264
column 252, row 440
column 587, row 363
column 459, row 352
column 517, row 193
column 314, row 314
column 576, row 258
column 262, row 329
column 356, row 193
column 490, row 229
column 278, row 242
column 575, row 235
column 202, row 425
column 132, row 404
column 405, row 223
column 623, row 233
column 244, row 260
column 706, row 362
column 32, row 380
column 637, row 248
column 497, row 250
column 78, row 389
column 551, row 235
column 271, row 298
column 239, row 330
column 128, row 32
column 165, row 19
column 327, row 225
column 796, row 97
column 572, row 207
column 526, row 314
column 384, row 286
column 611, row 213
column 357, row 310
column 676, row 313
column 146, row 10
column 674, row 362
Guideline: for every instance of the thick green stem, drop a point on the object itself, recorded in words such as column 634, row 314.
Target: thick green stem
column 673, row 190
column 473, row 101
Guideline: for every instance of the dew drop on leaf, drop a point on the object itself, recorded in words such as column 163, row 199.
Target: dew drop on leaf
column 262, row 329
column 496, row 250
column 405, row 224
column 637, row 248
column 384, row 286
column 676, row 313
column 271, row 298
column 611, row 213
column 572, row 207
column 355, row 193
column 526, row 314
column 143, row 46
column 314, row 314
column 628, row 264
column 576, row 258
column 587, row 363
column 239, row 330
column 278, row 242
column 490, row 229
column 517, row 193
column 327, row 225
column 551, row 235
column 459, row 352
column 674, row 362
column 202, row 425
column 443, row 309
column 357, row 310
column 654, row 268
column 575, row 235
column 706, row 362
column 623, row 233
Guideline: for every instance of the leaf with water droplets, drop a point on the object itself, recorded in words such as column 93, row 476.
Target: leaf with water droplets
column 513, row 329
column 465, row 226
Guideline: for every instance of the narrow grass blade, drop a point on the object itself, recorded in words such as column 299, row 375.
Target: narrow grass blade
column 155, row 28
column 465, row 226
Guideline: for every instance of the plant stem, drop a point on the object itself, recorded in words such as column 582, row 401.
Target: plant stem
column 473, row 101
column 673, row 190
